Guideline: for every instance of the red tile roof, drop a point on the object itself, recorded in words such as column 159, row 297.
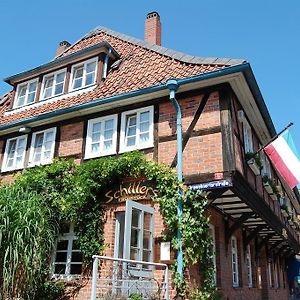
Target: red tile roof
column 143, row 65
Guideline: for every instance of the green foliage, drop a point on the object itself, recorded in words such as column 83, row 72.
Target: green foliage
column 27, row 231
column 49, row 194
column 50, row 290
column 135, row 296
column 197, row 294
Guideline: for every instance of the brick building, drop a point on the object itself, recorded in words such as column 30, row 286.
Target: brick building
column 106, row 95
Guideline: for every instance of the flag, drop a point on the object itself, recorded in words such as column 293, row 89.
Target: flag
column 285, row 158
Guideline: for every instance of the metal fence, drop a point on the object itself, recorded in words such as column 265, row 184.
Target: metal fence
column 116, row 278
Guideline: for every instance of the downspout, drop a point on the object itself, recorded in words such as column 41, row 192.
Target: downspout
column 105, row 65
column 172, row 85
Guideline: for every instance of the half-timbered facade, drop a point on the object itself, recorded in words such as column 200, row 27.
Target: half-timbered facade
column 106, row 95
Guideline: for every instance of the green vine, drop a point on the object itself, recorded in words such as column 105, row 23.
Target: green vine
column 73, row 192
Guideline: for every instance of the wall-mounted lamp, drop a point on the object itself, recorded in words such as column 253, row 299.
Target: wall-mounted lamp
column 25, row 129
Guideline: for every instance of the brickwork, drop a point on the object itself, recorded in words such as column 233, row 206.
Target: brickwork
column 71, row 139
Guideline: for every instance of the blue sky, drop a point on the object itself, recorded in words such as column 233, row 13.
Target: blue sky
column 265, row 33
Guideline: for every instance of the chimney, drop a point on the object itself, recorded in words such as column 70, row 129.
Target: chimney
column 62, row 47
column 153, row 28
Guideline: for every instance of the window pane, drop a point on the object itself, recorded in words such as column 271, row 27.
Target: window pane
column 108, row 134
column 60, row 77
column 107, row 145
column 61, row 256
column 75, row 269
column 130, row 141
column 134, row 237
column 90, row 78
column 49, row 82
column 78, row 72
column 144, row 117
column 39, row 140
column 131, row 120
column 32, row 87
column 58, row 88
column 90, row 67
column 135, row 218
column 62, row 245
column 12, row 148
column 96, row 137
column 60, row 269
column 49, row 136
column 95, row 148
column 144, row 137
column 131, row 131
column 77, row 83
column 134, row 254
column 109, row 124
column 48, row 93
column 146, row 256
column 96, row 127
column 147, row 240
column 76, row 257
column 144, row 127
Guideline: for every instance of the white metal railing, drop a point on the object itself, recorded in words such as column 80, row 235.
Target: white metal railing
column 117, row 278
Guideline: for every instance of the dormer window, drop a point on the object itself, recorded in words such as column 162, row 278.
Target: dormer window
column 83, row 74
column 53, row 84
column 26, row 93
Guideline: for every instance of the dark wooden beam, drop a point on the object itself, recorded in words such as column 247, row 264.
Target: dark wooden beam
column 192, row 125
column 236, row 225
column 215, row 194
column 226, row 129
column 275, row 245
column 264, row 241
column 252, row 235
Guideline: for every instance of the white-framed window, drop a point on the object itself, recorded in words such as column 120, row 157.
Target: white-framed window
column 247, row 132
column 234, row 262
column 137, row 129
column 53, row 84
column 101, row 136
column 213, row 236
column 83, row 74
column 270, row 273
column 66, row 258
column 14, row 154
column 26, row 93
column 266, row 167
column 42, row 147
column 276, row 279
column 249, row 266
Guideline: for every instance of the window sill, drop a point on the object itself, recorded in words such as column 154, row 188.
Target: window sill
column 49, row 100
column 43, row 163
column 90, row 156
column 65, row 277
column 142, row 147
column 10, row 170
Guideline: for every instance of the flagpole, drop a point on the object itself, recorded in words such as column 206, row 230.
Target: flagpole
column 274, row 138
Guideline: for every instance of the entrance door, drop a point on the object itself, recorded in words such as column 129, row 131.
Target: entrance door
column 134, row 232
column 134, row 241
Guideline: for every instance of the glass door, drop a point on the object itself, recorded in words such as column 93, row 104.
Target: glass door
column 134, row 235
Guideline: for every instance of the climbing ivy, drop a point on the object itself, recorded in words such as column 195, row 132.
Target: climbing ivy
column 73, row 192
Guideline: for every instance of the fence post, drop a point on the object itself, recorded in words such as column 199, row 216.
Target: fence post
column 94, row 278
